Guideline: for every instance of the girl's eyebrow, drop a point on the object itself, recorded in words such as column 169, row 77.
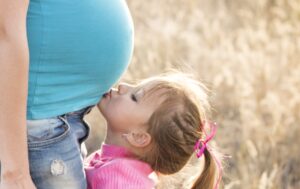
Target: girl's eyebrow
column 139, row 93
column 142, row 91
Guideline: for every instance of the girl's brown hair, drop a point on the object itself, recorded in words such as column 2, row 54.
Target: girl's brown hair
column 176, row 125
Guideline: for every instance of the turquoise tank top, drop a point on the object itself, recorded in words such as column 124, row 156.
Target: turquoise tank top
column 78, row 50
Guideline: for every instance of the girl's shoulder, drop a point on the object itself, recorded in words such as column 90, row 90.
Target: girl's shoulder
column 120, row 172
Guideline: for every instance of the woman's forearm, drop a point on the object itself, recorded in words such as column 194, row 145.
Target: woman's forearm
column 13, row 87
column 14, row 63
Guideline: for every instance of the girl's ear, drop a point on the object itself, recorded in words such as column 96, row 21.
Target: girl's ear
column 138, row 139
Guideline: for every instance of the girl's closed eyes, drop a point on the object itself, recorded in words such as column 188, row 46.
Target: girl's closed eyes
column 133, row 97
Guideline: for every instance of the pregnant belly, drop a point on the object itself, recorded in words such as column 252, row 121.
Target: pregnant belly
column 75, row 42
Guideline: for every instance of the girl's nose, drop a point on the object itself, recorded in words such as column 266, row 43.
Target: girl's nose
column 123, row 88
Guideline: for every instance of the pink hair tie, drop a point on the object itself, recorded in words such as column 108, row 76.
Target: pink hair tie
column 201, row 145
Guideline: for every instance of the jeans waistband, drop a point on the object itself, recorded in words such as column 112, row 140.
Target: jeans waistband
column 79, row 113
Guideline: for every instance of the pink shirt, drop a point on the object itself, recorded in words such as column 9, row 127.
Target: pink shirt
column 112, row 168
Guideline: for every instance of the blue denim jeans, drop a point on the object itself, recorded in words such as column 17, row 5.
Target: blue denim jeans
column 56, row 151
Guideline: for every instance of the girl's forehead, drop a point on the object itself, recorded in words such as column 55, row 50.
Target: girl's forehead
column 151, row 90
column 149, row 84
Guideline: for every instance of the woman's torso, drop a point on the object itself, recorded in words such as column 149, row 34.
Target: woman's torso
column 78, row 50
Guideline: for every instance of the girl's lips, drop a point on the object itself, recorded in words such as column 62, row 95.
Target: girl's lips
column 107, row 94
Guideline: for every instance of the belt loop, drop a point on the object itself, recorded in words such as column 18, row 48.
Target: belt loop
column 63, row 117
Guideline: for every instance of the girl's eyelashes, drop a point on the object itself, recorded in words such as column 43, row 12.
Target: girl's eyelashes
column 133, row 97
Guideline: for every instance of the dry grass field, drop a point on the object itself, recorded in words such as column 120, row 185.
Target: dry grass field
column 248, row 53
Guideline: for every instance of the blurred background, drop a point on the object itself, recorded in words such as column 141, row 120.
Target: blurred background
column 248, row 53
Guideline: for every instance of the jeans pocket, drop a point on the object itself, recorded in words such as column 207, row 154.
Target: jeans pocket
column 47, row 131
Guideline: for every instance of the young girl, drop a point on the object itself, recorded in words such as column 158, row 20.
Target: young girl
column 155, row 126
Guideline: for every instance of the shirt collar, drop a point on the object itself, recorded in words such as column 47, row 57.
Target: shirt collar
column 113, row 151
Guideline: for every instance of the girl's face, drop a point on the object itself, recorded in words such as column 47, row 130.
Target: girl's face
column 125, row 108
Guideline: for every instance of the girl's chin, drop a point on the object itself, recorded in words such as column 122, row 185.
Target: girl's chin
column 100, row 107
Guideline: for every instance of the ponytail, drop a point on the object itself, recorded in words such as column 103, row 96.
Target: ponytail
column 208, row 176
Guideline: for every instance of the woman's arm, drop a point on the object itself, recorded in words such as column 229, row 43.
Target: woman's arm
column 14, row 63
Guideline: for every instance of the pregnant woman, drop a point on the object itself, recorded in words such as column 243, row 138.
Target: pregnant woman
column 57, row 59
